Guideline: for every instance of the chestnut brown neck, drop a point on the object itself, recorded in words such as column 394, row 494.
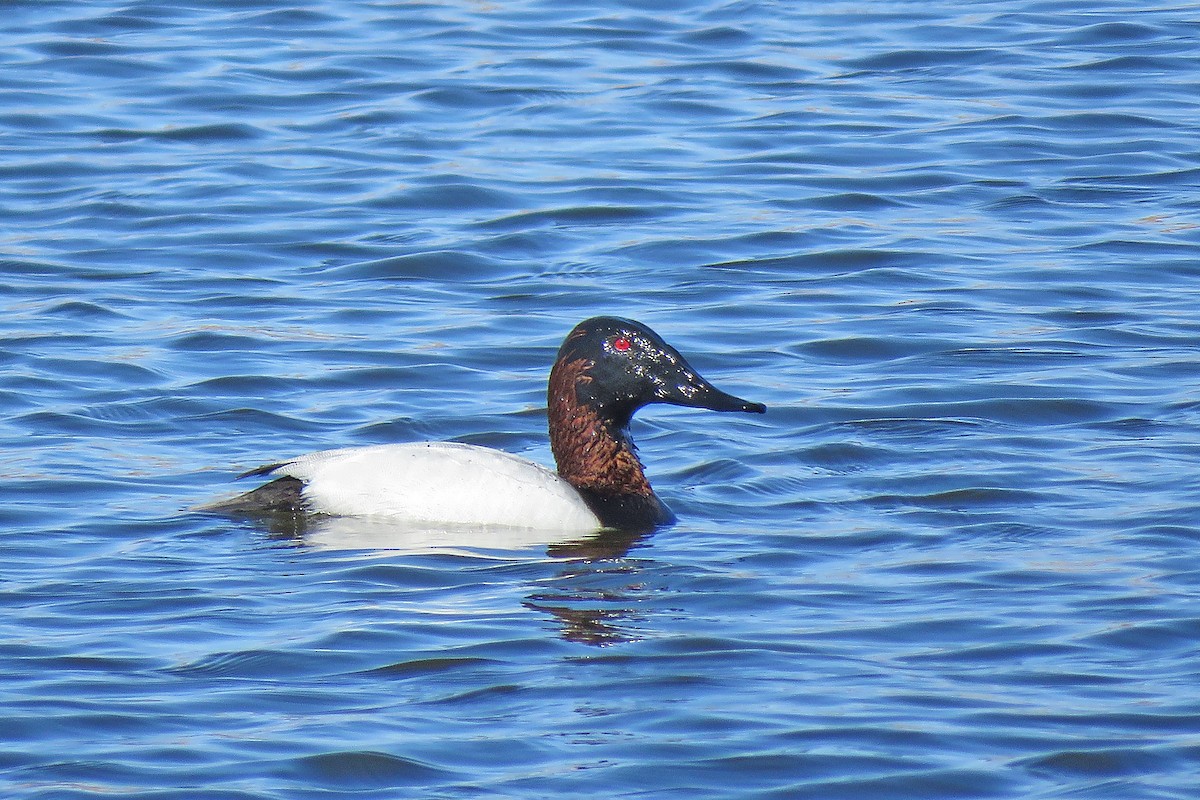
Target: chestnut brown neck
column 596, row 456
column 589, row 452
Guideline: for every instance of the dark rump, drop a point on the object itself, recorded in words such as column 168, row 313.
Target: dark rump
column 280, row 495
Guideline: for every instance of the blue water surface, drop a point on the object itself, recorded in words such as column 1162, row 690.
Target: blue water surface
column 955, row 248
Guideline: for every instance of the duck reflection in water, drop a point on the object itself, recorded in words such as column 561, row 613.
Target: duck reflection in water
column 596, row 598
column 394, row 537
column 600, row 597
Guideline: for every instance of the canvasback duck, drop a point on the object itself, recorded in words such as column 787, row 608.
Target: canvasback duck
column 606, row 369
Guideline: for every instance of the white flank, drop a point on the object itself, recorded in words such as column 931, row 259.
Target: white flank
column 440, row 482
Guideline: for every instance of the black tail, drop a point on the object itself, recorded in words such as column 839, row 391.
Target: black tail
column 280, row 495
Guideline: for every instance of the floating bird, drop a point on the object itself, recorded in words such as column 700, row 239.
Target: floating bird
column 606, row 369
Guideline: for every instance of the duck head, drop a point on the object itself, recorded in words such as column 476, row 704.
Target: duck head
column 608, row 368
column 622, row 365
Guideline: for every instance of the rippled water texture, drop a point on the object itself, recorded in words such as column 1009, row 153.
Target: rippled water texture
column 953, row 247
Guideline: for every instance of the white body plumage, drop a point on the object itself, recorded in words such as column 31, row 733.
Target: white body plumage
column 439, row 482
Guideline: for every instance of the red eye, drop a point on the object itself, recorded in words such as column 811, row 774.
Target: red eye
column 621, row 344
